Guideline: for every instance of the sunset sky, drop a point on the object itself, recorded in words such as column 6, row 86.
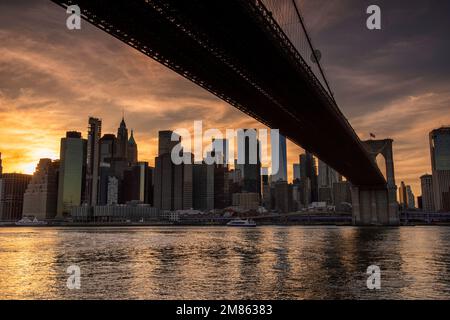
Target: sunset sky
column 393, row 82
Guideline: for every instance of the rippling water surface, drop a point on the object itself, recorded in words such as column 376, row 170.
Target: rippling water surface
column 225, row 263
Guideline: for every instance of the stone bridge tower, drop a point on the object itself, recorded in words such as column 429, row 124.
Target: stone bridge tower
column 377, row 206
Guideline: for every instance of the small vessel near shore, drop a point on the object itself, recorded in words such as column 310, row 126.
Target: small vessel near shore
column 241, row 223
column 25, row 221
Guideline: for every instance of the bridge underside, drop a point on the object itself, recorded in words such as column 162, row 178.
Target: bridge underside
column 237, row 51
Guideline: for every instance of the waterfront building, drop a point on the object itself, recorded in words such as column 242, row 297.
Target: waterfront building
column 131, row 212
column 12, row 189
column 41, row 195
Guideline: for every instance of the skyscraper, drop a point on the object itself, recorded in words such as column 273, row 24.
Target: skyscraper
column 283, row 196
column 165, row 143
column 1, row 168
column 342, row 198
column 12, row 189
column 440, row 165
column 41, row 196
column 122, row 140
column 410, row 198
column 72, row 171
column 326, row 178
column 281, row 175
column 308, row 170
column 327, row 175
column 403, row 197
column 426, row 182
column 132, row 150
column 221, row 146
column 93, row 160
column 172, row 183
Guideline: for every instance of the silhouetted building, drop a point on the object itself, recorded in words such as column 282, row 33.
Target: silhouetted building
column 296, row 171
column 183, row 186
column 305, row 192
column 283, row 196
column 108, row 146
column 122, row 140
column 112, row 191
column 41, row 196
column 308, row 170
column 342, row 196
column 440, row 165
column 93, row 160
column 1, row 168
column 403, row 196
column 246, row 200
column 249, row 162
column 203, row 185
column 410, row 198
column 172, row 183
column 12, row 189
column 426, row 182
column 72, row 171
column 420, row 202
column 132, row 150
column 165, row 143
column 327, row 175
column 221, row 146
column 134, row 212
column 326, row 195
column 266, row 192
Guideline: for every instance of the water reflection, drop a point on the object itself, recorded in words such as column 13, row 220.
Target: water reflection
column 225, row 263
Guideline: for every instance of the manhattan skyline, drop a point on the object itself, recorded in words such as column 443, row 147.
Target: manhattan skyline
column 49, row 75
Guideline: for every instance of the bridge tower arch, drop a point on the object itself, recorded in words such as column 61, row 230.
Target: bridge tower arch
column 377, row 205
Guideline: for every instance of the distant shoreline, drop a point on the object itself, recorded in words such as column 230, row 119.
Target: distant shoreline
column 103, row 225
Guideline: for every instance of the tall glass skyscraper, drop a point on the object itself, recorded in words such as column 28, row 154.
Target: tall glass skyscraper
column 281, row 175
column 71, row 172
column 93, row 160
column 440, row 165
